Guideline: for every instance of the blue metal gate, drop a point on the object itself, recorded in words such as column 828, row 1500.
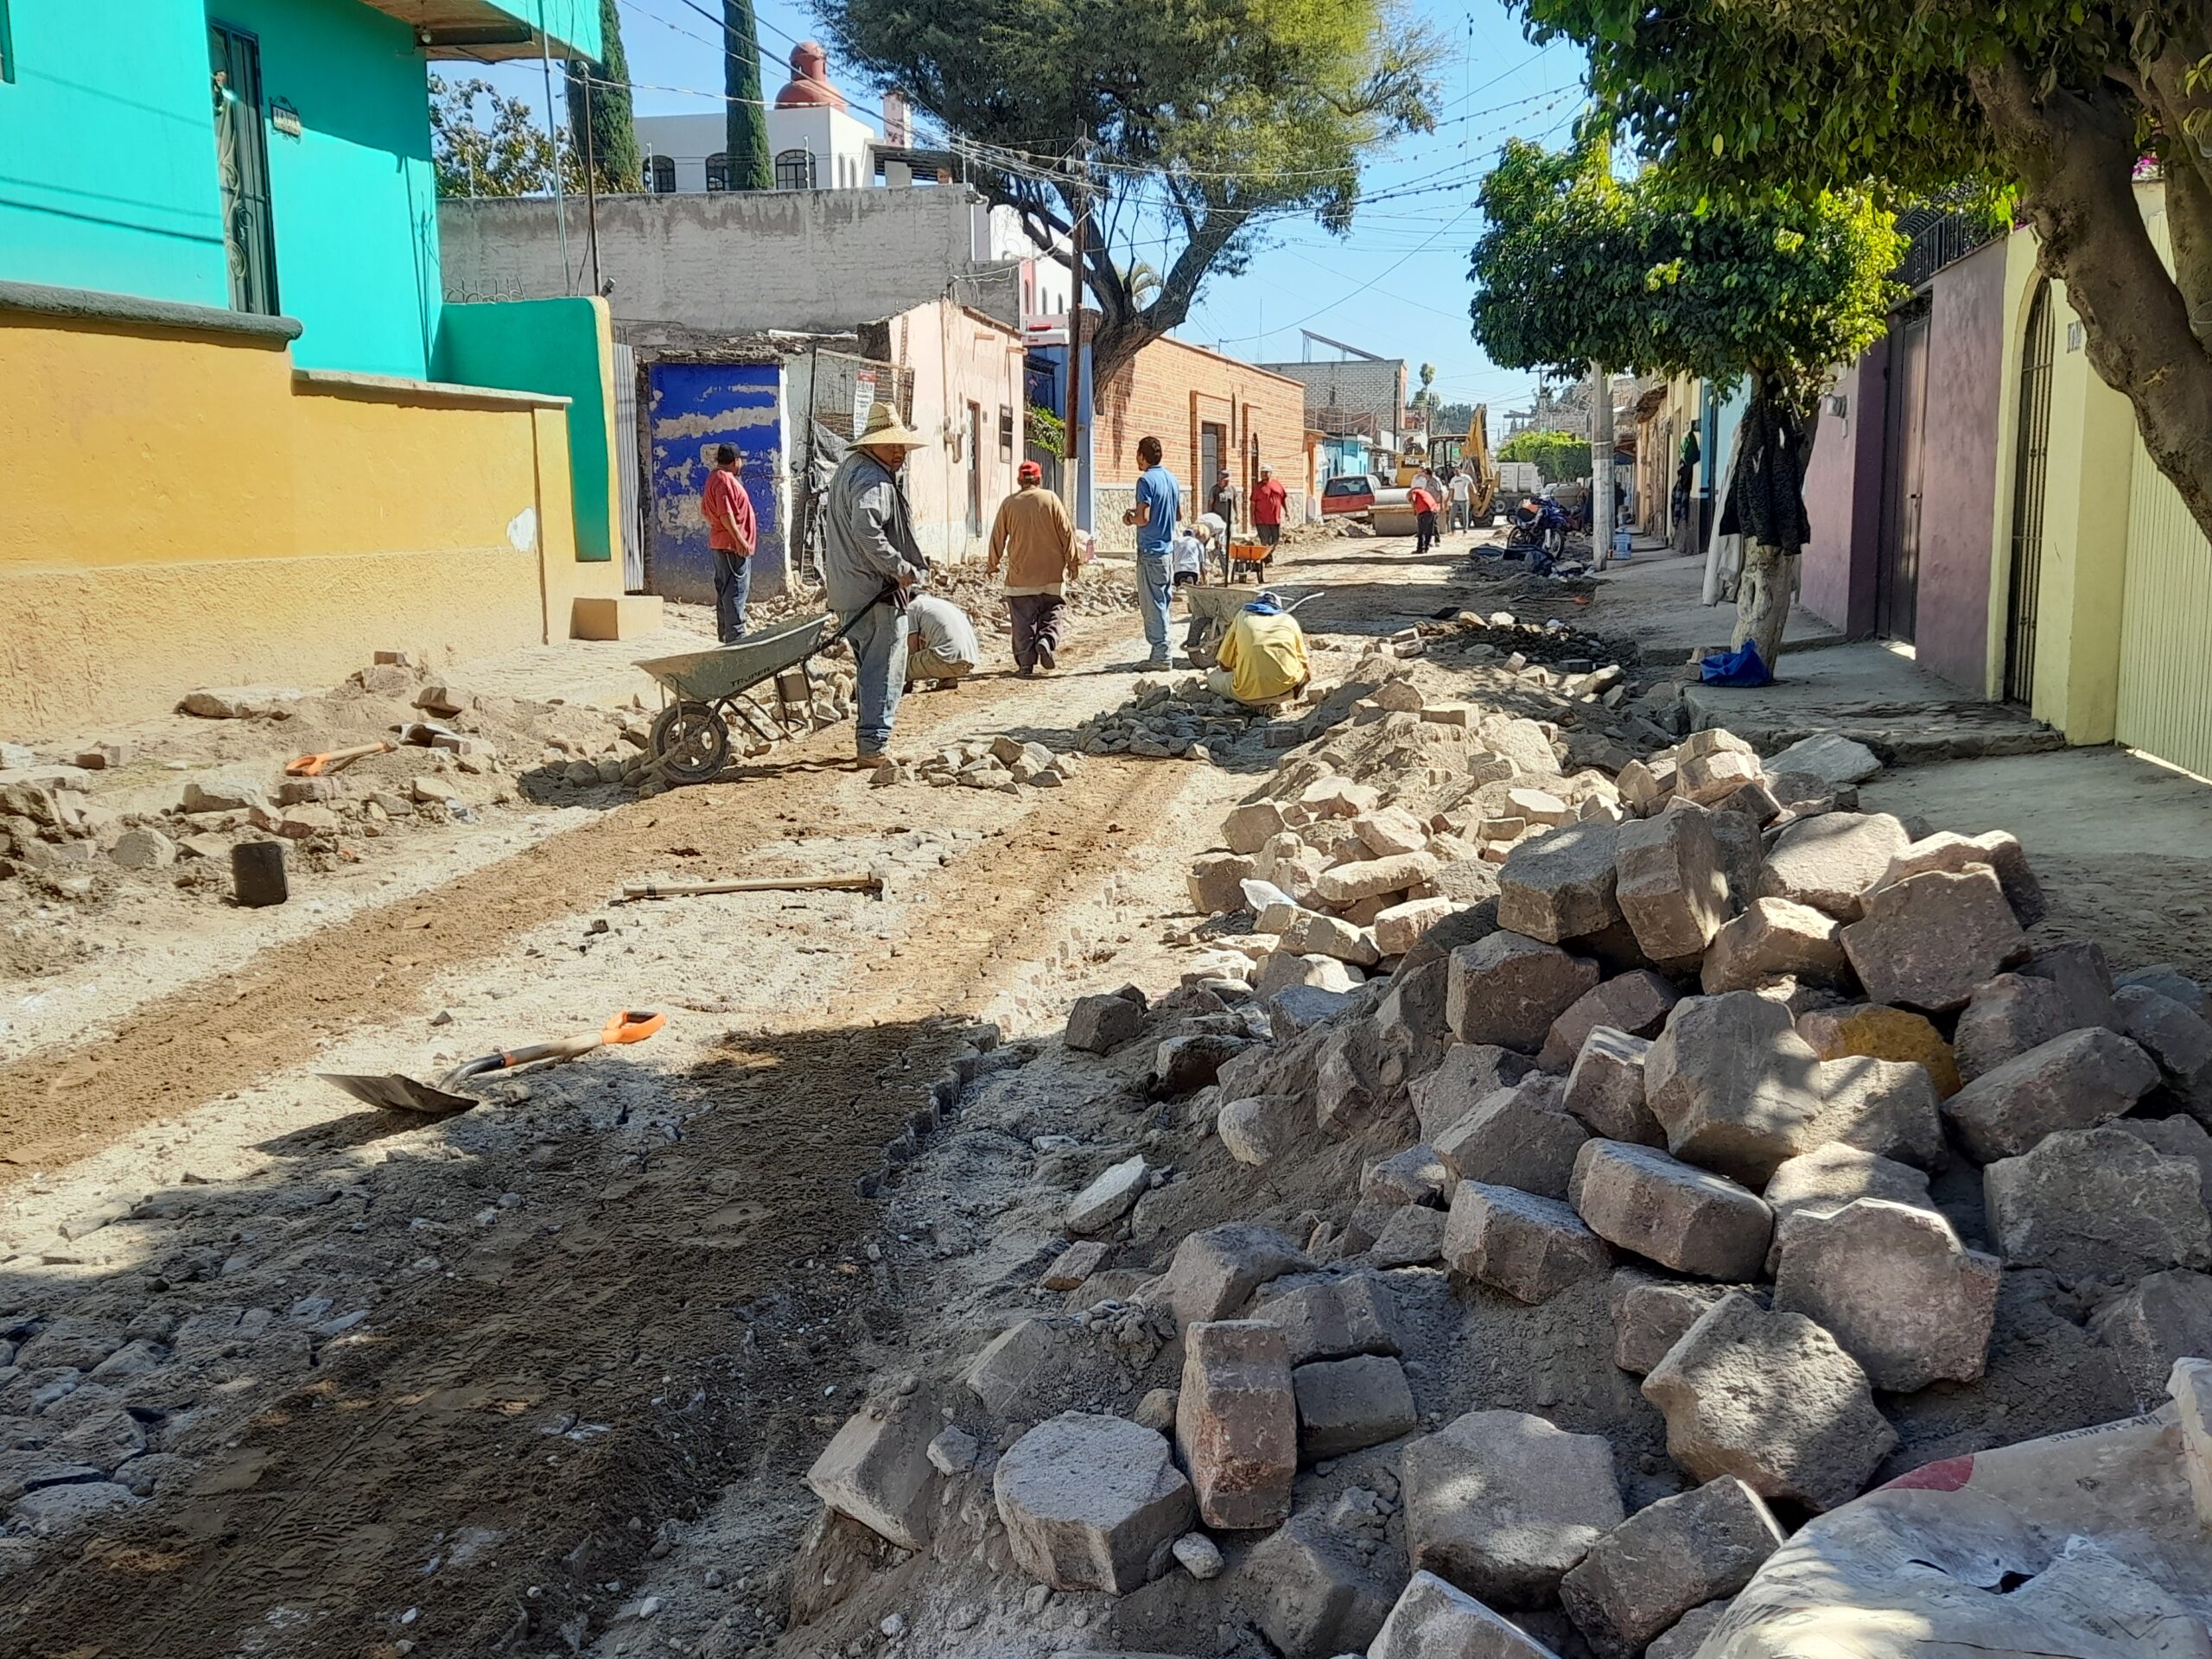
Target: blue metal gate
column 695, row 408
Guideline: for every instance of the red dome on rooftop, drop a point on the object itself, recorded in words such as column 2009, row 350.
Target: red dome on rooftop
column 810, row 87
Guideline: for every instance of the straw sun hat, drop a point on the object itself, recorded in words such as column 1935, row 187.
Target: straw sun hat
column 887, row 431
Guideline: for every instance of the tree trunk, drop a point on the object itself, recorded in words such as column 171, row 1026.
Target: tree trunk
column 2075, row 157
column 1763, row 591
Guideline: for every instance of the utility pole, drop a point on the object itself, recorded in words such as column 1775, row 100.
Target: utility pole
column 1075, row 239
column 1601, row 467
column 591, row 184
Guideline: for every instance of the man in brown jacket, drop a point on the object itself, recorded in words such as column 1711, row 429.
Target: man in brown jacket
column 1034, row 538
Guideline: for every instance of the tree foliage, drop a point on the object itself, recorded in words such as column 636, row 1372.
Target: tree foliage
column 1185, row 129
column 510, row 153
column 745, row 164
column 600, row 126
column 1558, row 455
column 2058, row 99
column 1577, row 265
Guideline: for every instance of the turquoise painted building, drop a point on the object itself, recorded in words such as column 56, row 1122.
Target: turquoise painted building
column 269, row 155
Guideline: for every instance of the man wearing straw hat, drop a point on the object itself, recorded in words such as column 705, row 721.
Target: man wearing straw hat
column 869, row 562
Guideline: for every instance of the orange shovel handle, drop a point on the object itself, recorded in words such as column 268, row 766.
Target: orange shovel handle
column 630, row 1026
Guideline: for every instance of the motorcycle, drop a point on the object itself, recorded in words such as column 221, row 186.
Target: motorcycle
column 1539, row 529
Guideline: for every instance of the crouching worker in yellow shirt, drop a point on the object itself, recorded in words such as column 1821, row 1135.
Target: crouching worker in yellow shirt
column 1262, row 658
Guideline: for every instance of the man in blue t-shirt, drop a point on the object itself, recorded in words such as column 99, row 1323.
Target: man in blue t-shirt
column 1159, row 506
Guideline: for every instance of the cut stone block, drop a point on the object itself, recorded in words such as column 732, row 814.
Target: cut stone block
column 1666, row 1559
column 1311, row 933
column 1433, row 1620
column 1650, row 1314
column 2073, row 1082
column 1829, row 1177
column 1097, row 1023
column 1193, row 1060
column 2097, row 1204
column 1034, row 1368
column 1882, row 1034
column 1523, row 743
column 1835, row 759
column 2005, row 1017
column 1646, row 786
column 1530, row 1247
column 1389, row 830
column 1331, row 1318
column 1606, row 1090
column 2080, row 970
column 1218, row 881
column 1771, row 1399
column 1829, row 861
column 1413, row 1237
column 876, row 1468
column 2161, row 1319
column 1322, row 1589
column 1470, row 1074
column 1774, row 937
column 2170, row 981
column 1895, row 1287
column 1928, row 940
column 1559, row 886
column 1282, row 970
column 1691, row 1632
column 1889, row 1107
column 2176, row 1039
column 1298, row 1008
column 1398, row 929
column 2177, row 1137
column 1338, row 798
column 1236, row 1422
column 1732, row 1083
column 1251, row 827
column 1344, row 1405
column 1508, row 988
column 1074, row 1265
column 1673, row 882
column 1636, row 1002
column 1999, row 849
column 1500, row 1503
column 1708, row 779
column 1679, row 1216
column 1214, row 1273
column 1110, row 1196
column 1092, row 1503
column 1262, row 1128
column 1517, row 1138
column 1344, row 884
column 1416, row 1175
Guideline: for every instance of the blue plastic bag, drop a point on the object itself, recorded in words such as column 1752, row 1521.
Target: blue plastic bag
column 1742, row 666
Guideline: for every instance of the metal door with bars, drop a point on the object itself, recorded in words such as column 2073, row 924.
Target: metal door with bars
column 1896, row 584
column 242, row 167
column 626, row 468
column 2033, row 439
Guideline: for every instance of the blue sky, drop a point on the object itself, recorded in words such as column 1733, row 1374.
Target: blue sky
column 1395, row 285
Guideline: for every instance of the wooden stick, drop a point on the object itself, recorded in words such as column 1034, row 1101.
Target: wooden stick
column 869, row 882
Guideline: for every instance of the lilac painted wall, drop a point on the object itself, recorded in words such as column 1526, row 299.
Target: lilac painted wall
column 1843, row 498
column 1958, row 514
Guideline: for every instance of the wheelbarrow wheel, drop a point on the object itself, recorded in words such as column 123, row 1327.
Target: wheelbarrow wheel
column 691, row 742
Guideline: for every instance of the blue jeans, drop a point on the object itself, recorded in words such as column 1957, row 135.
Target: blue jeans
column 733, row 587
column 1153, row 592
column 879, row 643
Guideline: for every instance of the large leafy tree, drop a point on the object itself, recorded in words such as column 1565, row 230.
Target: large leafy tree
column 599, row 108
column 2060, row 99
column 1557, row 455
column 746, row 165
column 507, row 152
column 1184, row 130
column 1577, row 265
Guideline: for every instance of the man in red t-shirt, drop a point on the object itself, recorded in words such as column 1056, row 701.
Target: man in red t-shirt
column 1267, row 498
column 1424, row 506
column 731, row 531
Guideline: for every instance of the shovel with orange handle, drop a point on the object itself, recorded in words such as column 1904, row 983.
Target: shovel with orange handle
column 405, row 1094
column 330, row 761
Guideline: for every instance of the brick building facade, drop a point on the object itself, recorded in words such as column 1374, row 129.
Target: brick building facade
column 1207, row 411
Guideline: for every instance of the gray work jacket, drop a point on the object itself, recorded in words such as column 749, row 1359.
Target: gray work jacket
column 867, row 536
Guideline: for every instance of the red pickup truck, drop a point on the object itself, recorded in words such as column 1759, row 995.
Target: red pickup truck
column 1358, row 492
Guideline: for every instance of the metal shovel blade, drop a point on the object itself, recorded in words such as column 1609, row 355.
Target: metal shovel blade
column 399, row 1094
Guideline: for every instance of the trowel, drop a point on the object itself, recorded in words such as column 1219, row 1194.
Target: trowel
column 402, row 1094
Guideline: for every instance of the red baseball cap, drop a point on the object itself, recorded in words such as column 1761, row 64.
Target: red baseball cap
column 1030, row 473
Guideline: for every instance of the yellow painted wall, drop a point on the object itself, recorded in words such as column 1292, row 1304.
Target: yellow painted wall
column 186, row 509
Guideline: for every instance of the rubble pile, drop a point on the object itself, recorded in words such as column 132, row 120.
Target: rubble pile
column 112, row 810
column 1182, row 719
column 1492, row 1059
column 1101, row 590
column 1001, row 762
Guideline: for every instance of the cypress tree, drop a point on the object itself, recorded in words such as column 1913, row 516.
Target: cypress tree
column 746, row 166
column 612, row 141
